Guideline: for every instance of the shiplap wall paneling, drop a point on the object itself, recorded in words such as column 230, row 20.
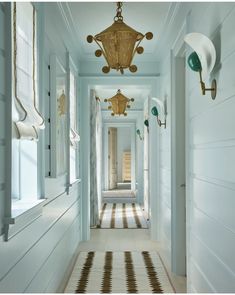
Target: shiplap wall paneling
column 2, row 111
column 165, row 165
column 212, row 235
column 211, row 223
column 49, row 231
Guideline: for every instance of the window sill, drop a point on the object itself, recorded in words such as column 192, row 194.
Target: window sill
column 73, row 185
column 78, row 180
column 19, row 207
column 23, row 213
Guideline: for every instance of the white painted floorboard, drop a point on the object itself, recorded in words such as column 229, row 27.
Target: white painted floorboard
column 128, row 240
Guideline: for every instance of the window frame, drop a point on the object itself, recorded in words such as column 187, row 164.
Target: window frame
column 71, row 68
column 14, row 223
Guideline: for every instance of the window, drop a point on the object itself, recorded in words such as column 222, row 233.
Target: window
column 27, row 121
column 74, row 137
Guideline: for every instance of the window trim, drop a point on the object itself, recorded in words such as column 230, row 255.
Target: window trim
column 13, row 225
column 71, row 67
column 54, row 64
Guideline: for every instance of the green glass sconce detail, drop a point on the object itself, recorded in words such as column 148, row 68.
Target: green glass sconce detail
column 195, row 65
column 139, row 134
column 194, row 62
column 202, row 59
column 146, row 123
column 155, row 113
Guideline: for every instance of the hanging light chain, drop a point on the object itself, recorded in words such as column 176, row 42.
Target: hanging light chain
column 119, row 16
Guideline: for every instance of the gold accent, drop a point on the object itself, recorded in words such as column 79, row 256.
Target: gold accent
column 213, row 88
column 118, row 44
column 62, row 104
column 119, row 103
column 160, row 123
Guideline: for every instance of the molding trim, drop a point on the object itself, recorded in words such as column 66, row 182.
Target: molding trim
column 173, row 14
column 69, row 23
column 129, row 75
column 170, row 17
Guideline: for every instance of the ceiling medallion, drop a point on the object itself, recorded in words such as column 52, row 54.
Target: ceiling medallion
column 118, row 44
column 118, row 104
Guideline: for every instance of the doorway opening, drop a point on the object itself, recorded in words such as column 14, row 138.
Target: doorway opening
column 119, row 167
column 119, row 155
column 179, row 163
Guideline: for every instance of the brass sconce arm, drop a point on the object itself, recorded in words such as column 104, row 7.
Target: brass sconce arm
column 213, row 88
column 160, row 123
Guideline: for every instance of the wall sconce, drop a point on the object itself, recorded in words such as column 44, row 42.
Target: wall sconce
column 202, row 60
column 146, row 123
column 155, row 112
column 139, row 134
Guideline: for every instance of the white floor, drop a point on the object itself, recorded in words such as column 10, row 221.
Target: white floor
column 128, row 240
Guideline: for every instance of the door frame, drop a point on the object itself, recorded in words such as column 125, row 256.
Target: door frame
column 179, row 175
column 132, row 127
column 110, row 166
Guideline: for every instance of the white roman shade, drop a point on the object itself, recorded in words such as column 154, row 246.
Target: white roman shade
column 28, row 120
column 74, row 136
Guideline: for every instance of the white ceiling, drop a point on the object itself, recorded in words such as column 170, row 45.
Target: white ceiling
column 90, row 18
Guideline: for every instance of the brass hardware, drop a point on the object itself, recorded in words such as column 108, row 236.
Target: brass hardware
column 119, row 103
column 160, row 123
column 118, row 44
column 213, row 88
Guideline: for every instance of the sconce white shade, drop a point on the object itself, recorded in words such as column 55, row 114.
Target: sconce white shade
column 205, row 50
column 161, row 105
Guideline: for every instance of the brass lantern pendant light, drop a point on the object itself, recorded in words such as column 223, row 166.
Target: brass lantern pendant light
column 118, row 104
column 118, row 44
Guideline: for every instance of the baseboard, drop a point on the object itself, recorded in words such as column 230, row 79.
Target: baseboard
column 68, row 271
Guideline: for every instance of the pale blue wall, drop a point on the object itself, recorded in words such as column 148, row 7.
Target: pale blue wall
column 211, row 182
column 39, row 257
column 2, row 110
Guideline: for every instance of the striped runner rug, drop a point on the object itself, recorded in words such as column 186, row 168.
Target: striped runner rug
column 122, row 215
column 119, row 272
